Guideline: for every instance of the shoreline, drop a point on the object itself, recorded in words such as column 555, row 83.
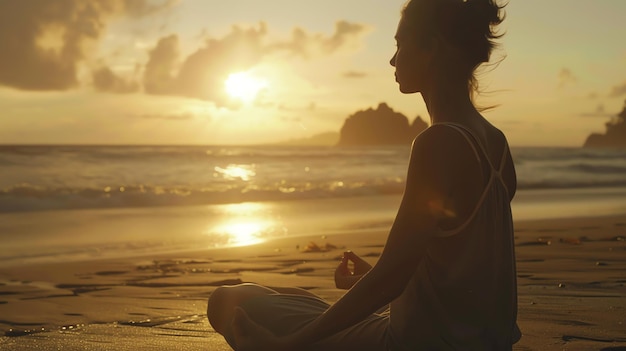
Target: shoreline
column 571, row 286
column 77, row 235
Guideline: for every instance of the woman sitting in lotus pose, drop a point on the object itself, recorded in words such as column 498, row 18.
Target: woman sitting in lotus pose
column 447, row 270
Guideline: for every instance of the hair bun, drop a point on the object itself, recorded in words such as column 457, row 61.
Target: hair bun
column 479, row 17
column 485, row 11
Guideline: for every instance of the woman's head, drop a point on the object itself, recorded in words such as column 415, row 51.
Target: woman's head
column 444, row 41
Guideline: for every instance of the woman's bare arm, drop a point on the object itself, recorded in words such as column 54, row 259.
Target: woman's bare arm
column 439, row 158
column 435, row 162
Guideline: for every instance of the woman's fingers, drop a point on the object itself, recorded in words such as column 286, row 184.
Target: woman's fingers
column 351, row 256
column 345, row 278
column 346, row 282
column 360, row 265
column 342, row 268
column 354, row 257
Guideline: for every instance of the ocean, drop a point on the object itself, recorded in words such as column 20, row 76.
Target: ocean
column 98, row 200
column 36, row 178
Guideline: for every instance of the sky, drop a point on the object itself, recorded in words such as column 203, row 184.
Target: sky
column 254, row 71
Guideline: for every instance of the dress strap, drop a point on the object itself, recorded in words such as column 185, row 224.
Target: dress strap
column 473, row 140
column 468, row 137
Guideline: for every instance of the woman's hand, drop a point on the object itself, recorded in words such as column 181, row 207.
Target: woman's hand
column 344, row 278
column 250, row 336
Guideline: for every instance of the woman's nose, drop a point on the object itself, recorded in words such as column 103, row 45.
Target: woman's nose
column 393, row 60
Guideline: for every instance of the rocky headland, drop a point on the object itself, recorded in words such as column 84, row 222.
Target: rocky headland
column 380, row 126
column 615, row 135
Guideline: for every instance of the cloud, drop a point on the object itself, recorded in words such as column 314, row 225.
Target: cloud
column 354, row 74
column 43, row 42
column 201, row 74
column 47, row 44
column 159, row 71
column 106, row 81
column 618, row 90
column 566, row 77
column 142, row 8
column 346, row 34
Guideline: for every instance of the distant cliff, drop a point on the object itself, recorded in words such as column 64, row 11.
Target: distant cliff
column 615, row 135
column 380, row 126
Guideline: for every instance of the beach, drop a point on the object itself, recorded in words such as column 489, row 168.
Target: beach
column 119, row 247
column 571, row 278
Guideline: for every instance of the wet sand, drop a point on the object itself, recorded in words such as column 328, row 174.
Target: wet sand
column 571, row 277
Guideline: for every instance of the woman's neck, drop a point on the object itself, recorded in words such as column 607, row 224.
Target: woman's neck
column 449, row 103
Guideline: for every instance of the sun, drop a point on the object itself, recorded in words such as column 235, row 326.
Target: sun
column 244, row 86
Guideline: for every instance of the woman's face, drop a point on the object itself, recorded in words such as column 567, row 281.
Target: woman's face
column 412, row 61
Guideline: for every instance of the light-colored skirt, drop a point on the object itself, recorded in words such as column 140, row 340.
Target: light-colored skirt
column 284, row 314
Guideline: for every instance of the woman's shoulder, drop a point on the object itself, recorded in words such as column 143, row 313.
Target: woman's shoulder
column 446, row 136
column 444, row 150
column 442, row 138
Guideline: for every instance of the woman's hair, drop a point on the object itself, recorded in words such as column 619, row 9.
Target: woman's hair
column 466, row 27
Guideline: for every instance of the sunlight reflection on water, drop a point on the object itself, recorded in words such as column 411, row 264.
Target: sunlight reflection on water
column 245, row 224
column 243, row 233
column 243, row 172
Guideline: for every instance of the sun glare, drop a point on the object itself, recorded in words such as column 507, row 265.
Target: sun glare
column 244, row 86
column 244, row 224
column 243, row 172
column 243, row 233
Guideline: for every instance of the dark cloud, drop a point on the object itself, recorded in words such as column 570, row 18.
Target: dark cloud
column 106, row 80
column 159, row 72
column 618, row 90
column 354, row 74
column 43, row 41
column 201, row 75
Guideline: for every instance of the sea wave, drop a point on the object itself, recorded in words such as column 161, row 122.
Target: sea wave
column 560, row 154
column 25, row 197
column 67, row 177
column 118, row 153
column 598, row 169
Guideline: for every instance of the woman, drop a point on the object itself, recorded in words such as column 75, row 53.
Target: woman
column 448, row 267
